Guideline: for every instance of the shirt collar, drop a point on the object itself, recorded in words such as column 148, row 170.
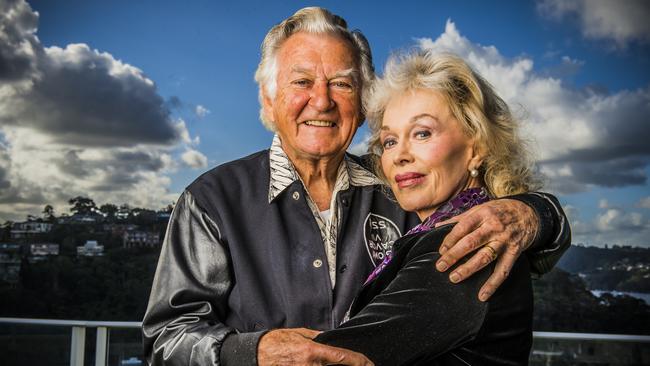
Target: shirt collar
column 283, row 173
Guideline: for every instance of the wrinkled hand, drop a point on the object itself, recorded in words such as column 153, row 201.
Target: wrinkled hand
column 295, row 347
column 507, row 226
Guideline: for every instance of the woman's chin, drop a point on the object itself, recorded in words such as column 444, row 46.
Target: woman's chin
column 413, row 206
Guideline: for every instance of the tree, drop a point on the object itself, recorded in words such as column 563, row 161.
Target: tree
column 109, row 210
column 48, row 213
column 82, row 205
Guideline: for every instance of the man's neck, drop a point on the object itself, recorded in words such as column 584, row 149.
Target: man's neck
column 319, row 177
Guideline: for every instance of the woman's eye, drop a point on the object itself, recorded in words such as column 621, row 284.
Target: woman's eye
column 388, row 143
column 422, row 134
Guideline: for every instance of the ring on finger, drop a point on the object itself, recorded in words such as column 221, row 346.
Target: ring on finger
column 493, row 253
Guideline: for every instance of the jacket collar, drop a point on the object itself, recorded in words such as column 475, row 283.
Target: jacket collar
column 283, row 173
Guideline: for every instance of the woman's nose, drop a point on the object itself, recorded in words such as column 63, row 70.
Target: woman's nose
column 403, row 154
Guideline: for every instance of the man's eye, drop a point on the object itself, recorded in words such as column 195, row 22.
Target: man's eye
column 301, row 82
column 342, row 84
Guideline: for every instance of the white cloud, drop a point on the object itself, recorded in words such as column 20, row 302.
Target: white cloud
column 644, row 202
column 360, row 148
column 617, row 21
column 619, row 226
column 584, row 138
column 615, row 219
column 201, row 111
column 194, row 159
column 77, row 121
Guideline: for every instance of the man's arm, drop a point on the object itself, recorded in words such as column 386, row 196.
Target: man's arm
column 183, row 323
column 503, row 229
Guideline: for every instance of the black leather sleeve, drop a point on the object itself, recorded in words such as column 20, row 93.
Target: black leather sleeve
column 183, row 323
column 553, row 236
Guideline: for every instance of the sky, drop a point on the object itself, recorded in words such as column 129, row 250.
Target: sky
column 129, row 101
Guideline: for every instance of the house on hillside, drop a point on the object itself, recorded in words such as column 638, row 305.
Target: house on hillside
column 91, row 249
column 29, row 229
column 137, row 238
column 43, row 249
column 10, row 255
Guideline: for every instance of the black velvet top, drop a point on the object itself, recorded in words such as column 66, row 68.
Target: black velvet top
column 411, row 314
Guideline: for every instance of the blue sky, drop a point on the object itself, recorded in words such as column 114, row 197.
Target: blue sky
column 129, row 101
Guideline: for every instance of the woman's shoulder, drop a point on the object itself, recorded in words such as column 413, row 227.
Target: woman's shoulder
column 422, row 242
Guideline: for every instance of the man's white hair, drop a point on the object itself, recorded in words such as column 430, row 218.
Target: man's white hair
column 311, row 20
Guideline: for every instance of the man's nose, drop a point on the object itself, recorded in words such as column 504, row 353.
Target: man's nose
column 320, row 97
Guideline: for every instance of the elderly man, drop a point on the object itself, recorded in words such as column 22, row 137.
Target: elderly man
column 284, row 238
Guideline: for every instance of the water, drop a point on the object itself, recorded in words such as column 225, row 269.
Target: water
column 638, row 295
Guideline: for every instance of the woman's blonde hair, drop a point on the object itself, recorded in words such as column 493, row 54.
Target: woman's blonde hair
column 506, row 168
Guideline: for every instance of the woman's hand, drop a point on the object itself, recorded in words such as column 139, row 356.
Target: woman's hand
column 499, row 229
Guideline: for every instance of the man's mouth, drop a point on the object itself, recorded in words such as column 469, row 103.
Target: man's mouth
column 408, row 179
column 319, row 123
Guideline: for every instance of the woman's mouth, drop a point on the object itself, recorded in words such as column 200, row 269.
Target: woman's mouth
column 410, row 179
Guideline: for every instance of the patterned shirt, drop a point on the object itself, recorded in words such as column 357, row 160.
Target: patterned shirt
column 283, row 173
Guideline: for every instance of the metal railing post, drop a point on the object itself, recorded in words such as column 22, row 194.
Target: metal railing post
column 77, row 346
column 101, row 347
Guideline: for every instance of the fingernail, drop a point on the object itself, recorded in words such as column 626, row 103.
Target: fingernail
column 455, row 277
column 441, row 266
column 484, row 296
column 442, row 250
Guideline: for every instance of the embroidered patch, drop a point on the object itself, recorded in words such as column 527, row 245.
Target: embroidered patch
column 379, row 235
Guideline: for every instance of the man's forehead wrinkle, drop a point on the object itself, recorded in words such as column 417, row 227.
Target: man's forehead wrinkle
column 350, row 72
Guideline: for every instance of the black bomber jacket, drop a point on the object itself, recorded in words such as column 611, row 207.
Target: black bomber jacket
column 234, row 265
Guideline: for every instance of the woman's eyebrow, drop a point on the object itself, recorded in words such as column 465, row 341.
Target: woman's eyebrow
column 417, row 117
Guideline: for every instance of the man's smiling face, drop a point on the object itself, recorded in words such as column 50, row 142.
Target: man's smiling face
column 317, row 106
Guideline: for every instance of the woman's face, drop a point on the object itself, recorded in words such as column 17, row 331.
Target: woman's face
column 426, row 156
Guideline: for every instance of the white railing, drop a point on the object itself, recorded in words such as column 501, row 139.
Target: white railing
column 77, row 342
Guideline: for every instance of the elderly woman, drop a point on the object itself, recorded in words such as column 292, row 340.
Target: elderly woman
column 446, row 143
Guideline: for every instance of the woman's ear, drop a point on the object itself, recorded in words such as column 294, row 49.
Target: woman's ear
column 477, row 157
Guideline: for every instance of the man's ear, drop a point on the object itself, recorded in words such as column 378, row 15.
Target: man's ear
column 267, row 106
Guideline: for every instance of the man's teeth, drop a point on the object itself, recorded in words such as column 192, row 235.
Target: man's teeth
column 319, row 123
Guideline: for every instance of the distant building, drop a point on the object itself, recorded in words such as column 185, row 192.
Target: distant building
column 43, row 249
column 29, row 229
column 163, row 216
column 119, row 229
column 90, row 218
column 10, row 262
column 91, row 249
column 123, row 213
column 137, row 238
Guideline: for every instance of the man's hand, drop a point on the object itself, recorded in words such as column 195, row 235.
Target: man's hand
column 295, row 347
column 500, row 229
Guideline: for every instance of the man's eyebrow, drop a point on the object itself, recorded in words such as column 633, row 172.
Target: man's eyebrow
column 351, row 73
column 300, row 69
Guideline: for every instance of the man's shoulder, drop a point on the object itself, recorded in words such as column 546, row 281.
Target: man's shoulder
column 366, row 161
column 249, row 169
